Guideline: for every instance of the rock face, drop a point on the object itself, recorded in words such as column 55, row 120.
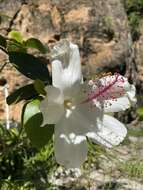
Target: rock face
column 138, row 47
column 99, row 27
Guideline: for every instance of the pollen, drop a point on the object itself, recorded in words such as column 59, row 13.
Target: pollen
column 98, row 76
column 68, row 104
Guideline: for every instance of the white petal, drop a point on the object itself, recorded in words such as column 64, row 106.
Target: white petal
column 54, row 94
column 57, row 72
column 66, row 75
column 70, row 142
column 60, row 51
column 118, row 84
column 95, row 137
column 74, row 68
column 52, row 106
column 91, row 113
column 131, row 94
column 109, row 89
column 111, row 132
column 74, row 93
column 52, row 112
column 120, row 104
column 112, row 87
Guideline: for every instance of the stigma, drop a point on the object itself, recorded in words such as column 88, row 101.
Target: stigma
column 68, row 104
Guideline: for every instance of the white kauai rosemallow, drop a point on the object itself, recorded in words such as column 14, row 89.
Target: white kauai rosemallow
column 79, row 110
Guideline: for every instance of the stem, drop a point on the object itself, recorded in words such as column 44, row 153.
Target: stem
column 6, row 107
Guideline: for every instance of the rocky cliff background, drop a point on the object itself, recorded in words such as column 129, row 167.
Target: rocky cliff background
column 109, row 34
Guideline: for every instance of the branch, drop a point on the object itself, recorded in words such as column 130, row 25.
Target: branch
column 2, row 67
column 1, row 48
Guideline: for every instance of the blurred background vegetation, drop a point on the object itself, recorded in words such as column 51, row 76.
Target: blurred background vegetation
column 23, row 167
column 134, row 9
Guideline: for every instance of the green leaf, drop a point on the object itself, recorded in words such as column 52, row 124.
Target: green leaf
column 39, row 136
column 16, row 36
column 30, row 110
column 2, row 41
column 36, row 44
column 29, row 66
column 140, row 113
column 14, row 46
column 24, row 93
column 39, row 86
column 32, row 121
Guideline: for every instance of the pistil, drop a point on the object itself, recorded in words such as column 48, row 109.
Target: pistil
column 68, row 104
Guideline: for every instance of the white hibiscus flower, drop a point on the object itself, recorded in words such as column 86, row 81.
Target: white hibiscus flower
column 79, row 110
